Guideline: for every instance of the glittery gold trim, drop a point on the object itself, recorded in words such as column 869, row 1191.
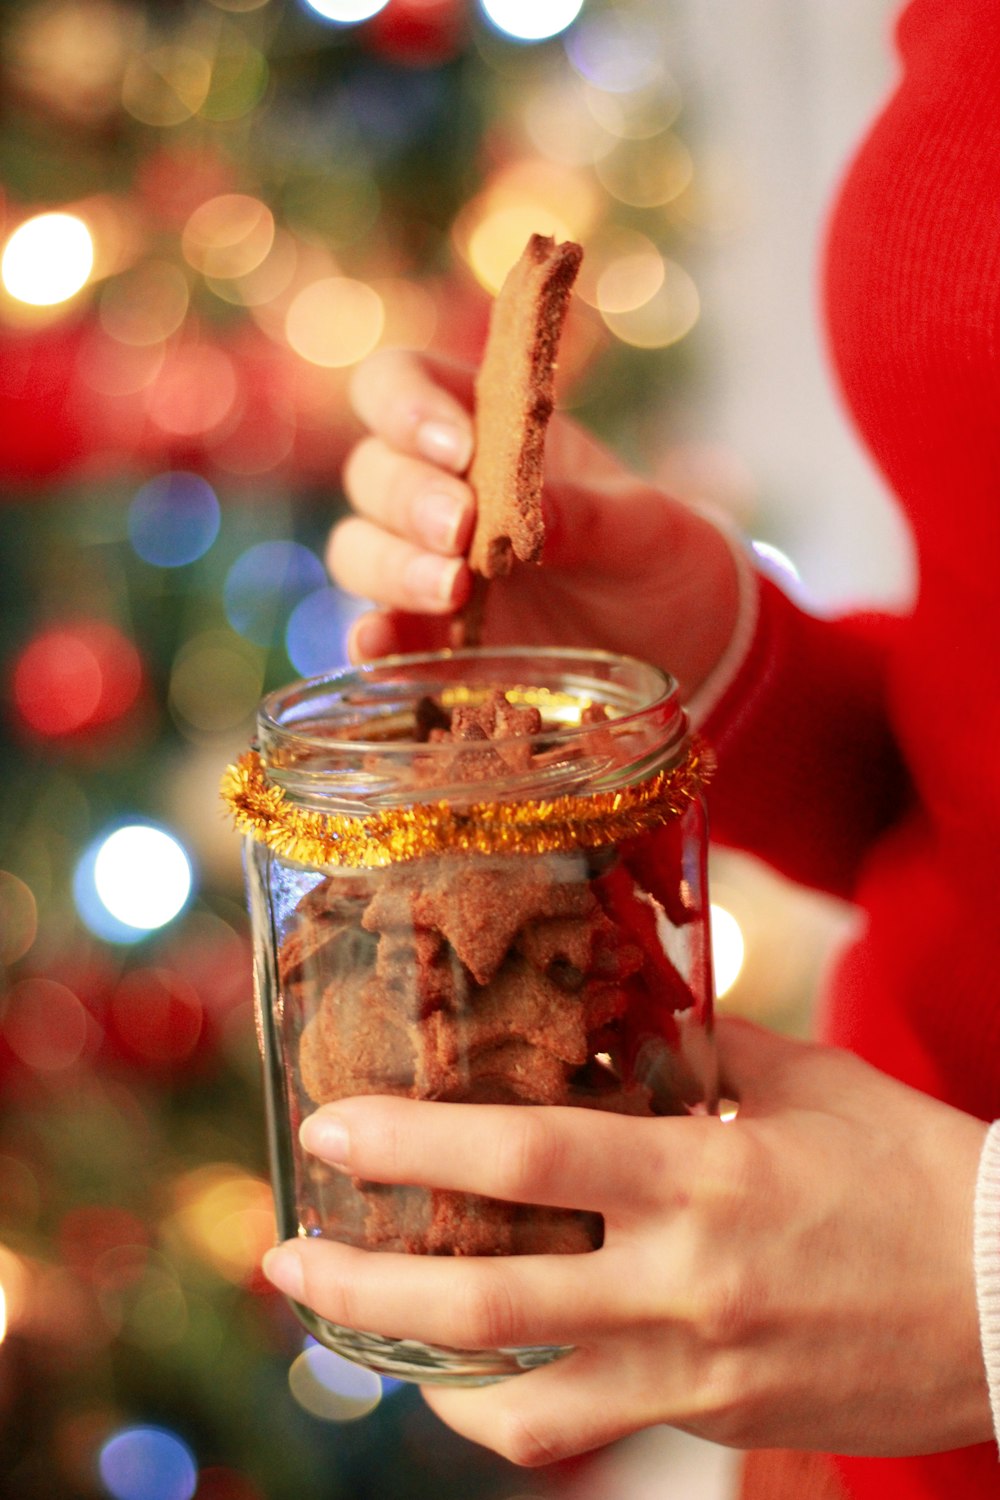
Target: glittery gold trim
column 263, row 810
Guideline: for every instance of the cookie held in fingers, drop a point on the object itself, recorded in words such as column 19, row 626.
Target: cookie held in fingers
column 515, row 395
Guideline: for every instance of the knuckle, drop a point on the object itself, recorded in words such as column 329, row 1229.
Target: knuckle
column 728, row 1309
column 734, row 1175
column 488, row 1319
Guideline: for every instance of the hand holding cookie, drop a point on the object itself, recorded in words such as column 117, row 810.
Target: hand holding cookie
column 625, row 567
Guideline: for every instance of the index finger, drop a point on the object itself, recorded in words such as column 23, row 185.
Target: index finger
column 561, row 1157
column 417, row 405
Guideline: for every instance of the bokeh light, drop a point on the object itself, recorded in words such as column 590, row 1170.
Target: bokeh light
column 18, row 917
column 216, row 683
column 228, row 236
column 194, row 391
column 147, row 1463
column 45, row 1025
column 526, row 198
column 226, row 1216
column 265, row 281
column 346, row 12
column 265, row 584
column 69, row 57
column 728, row 948
column 145, row 304
column 335, row 322
column 173, row 519
column 76, row 677
column 646, row 173
column 14, row 1290
column 664, row 318
column 132, row 881
column 531, row 20
column 156, row 1015
column 615, row 52
column 331, row 1387
column 47, row 259
column 317, row 630
column 166, row 85
column 240, row 75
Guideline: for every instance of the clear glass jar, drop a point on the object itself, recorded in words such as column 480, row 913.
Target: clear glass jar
column 473, row 876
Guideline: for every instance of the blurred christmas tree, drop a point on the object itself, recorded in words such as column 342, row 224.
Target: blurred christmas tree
column 211, row 212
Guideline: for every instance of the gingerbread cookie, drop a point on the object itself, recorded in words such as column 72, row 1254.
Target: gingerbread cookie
column 515, row 395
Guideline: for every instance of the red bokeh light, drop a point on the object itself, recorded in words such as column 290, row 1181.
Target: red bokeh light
column 156, row 1017
column 87, row 1234
column 423, row 33
column 75, row 677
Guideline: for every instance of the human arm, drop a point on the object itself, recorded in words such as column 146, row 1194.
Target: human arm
column 793, row 1278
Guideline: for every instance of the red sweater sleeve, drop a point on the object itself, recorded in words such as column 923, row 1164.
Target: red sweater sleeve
column 809, row 771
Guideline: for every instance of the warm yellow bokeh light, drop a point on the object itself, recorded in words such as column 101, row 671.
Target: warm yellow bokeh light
column 266, row 281
column 499, row 237
column 146, row 304
column 47, row 259
column 166, row 85
column 666, row 317
column 637, row 113
column 728, row 949
column 228, row 236
column 335, row 321
column 226, row 1216
column 533, row 197
column 646, row 173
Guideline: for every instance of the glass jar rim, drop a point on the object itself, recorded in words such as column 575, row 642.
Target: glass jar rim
column 282, row 713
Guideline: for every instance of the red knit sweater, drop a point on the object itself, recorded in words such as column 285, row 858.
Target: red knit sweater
column 863, row 756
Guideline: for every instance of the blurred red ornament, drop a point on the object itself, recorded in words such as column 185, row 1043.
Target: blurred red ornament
column 76, row 677
column 423, row 33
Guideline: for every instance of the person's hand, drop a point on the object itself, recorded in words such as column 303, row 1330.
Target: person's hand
column 799, row 1277
column 624, row 568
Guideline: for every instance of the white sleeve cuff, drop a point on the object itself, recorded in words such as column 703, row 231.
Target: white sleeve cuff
column 986, row 1253
column 710, row 692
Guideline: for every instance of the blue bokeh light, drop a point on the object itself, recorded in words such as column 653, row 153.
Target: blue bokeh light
column 263, row 587
column 131, row 880
column 173, row 519
column 147, row 1463
column 318, row 627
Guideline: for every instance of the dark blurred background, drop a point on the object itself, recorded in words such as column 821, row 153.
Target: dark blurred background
column 210, row 211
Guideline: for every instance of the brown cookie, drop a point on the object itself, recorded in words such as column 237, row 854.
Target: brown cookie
column 514, row 400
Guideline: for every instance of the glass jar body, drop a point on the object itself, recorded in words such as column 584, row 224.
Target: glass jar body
column 534, row 948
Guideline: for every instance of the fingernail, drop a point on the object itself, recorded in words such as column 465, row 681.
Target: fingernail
column 431, row 579
column 445, row 443
column 439, row 518
column 283, row 1269
column 325, row 1137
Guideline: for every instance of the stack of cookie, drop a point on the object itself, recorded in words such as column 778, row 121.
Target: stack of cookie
column 515, row 979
